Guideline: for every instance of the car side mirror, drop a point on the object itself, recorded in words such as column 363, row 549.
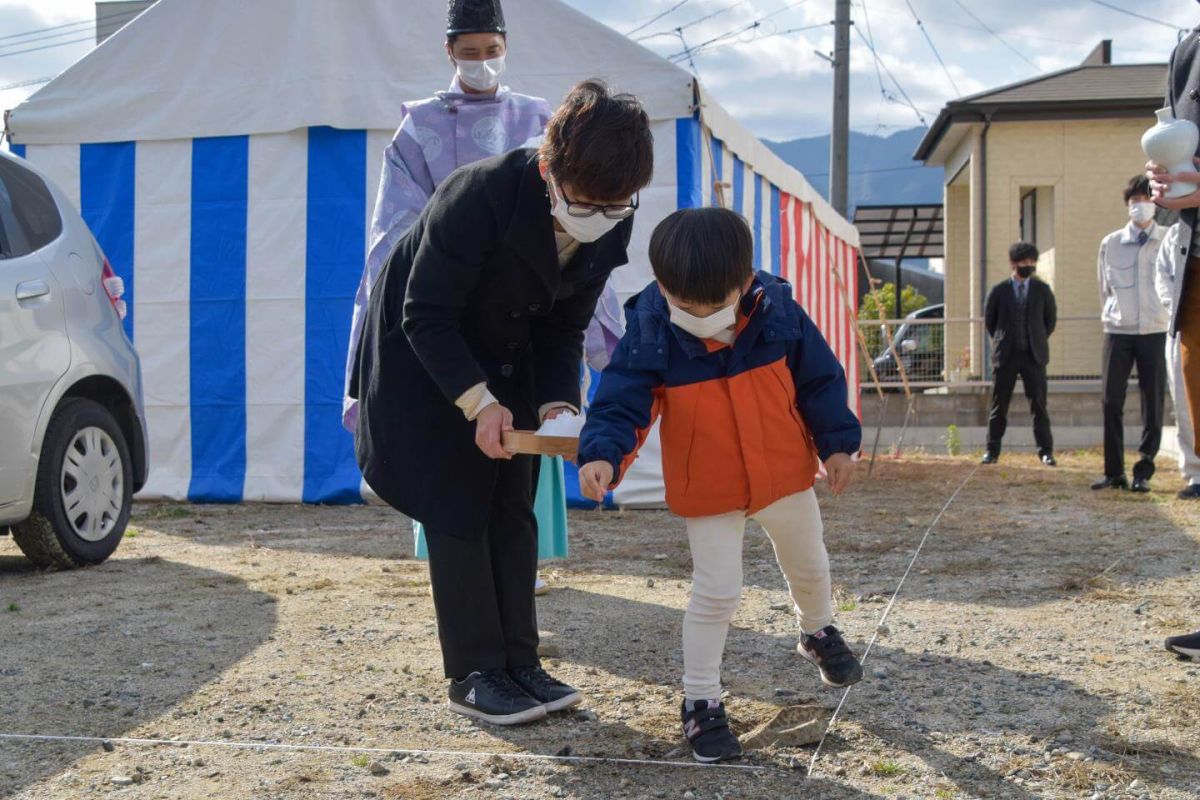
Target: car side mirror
column 908, row 346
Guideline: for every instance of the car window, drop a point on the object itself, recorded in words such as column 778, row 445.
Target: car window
column 28, row 214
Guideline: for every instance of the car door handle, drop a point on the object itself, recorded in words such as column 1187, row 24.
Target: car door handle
column 30, row 290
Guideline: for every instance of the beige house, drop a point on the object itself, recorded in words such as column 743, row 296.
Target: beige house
column 1044, row 160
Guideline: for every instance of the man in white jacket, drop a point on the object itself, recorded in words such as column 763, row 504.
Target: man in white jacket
column 1170, row 267
column 1135, row 333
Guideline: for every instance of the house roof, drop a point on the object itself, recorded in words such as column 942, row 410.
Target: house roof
column 1088, row 90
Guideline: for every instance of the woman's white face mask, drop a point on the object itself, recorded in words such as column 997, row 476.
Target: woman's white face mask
column 705, row 327
column 581, row 229
column 482, row 76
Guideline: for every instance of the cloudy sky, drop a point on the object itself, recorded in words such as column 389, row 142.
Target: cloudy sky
column 770, row 74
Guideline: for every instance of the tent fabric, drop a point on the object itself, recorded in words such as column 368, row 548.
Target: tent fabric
column 273, row 66
column 241, row 238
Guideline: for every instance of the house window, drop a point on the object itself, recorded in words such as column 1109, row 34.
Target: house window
column 1029, row 215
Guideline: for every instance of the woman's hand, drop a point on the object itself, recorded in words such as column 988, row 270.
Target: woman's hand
column 1161, row 181
column 594, row 480
column 556, row 412
column 840, row 469
column 490, row 425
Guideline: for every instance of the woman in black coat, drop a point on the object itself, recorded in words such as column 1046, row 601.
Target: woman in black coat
column 475, row 327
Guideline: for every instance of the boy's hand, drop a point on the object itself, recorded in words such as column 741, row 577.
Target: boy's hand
column 840, row 469
column 490, row 425
column 594, row 480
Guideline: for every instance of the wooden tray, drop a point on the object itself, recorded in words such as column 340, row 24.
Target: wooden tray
column 529, row 443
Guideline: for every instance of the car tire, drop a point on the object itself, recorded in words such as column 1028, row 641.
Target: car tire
column 55, row 535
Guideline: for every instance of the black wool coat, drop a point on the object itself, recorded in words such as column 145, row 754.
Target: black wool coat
column 1041, row 317
column 473, row 294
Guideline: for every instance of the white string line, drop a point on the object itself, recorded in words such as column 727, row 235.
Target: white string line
column 886, row 612
column 324, row 748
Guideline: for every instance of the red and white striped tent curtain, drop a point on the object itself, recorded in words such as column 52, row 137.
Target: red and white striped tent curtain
column 823, row 270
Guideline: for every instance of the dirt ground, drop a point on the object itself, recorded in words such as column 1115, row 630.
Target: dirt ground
column 1023, row 660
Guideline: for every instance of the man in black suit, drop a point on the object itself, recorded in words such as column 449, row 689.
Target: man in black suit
column 1020, row 315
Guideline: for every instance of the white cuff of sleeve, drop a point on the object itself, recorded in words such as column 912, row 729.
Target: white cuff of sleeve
column 474, row 400
column 548, row 407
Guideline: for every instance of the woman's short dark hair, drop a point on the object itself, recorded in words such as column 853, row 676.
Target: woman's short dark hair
column 599, row 141
column 1022, row 251
column 701, row 255
column 1138, row 185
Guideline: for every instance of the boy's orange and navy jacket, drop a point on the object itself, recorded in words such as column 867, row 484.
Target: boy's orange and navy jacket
column 743, row 425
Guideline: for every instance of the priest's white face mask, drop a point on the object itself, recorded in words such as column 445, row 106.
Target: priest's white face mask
column 479, row 59
column 482, row 76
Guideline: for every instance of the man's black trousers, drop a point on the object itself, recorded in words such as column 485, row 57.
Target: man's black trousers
column 483, row 585
column 1121, row 353
column 1033, row 375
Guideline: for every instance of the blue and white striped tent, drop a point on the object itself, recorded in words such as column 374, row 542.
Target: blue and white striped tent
column 230, row 179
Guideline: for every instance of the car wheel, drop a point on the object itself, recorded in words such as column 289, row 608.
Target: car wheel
column 84, row 489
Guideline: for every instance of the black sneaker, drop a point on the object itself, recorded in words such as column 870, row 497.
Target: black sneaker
column 828, row 650
column 990, row 458
column 707, row 730
column 1119, row 482
column 1192, row 492
column 1187, row 646
column 552, row 693
column 492, row 696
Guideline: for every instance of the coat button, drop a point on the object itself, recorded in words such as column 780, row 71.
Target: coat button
column 515, row 315
column 1194, row 94
column 534, row 308
column 514, row 345
column 507, row 370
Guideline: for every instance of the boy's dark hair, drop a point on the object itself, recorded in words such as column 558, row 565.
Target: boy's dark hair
column 1022, row 251
column 599, row 141
column 1138, row 184
column 701, row 255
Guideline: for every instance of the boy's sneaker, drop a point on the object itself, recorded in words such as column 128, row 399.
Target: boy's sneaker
column 828, row 650
column 553, row 694
column 707, row 730
column 1187, row 646
column 492, row 696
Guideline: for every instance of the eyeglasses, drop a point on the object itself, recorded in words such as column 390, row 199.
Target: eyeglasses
column 585, row 210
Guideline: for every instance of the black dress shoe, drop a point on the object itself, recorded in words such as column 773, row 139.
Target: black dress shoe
column 1141, row 485
column 990, row 458
column 1048, row 460
column 1119, row 482
column 1190, row 493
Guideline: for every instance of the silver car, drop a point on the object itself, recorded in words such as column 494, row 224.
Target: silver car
column 72, row 427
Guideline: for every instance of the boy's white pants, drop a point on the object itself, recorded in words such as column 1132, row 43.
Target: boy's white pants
column 794, row 527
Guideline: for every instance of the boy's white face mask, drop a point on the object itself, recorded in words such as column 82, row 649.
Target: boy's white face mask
column 705, row 327
column 482, row 76
column 1142, row 212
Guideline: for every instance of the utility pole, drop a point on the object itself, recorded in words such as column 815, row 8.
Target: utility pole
column 839, row 175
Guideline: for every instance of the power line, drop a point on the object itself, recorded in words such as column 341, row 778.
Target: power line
column 22, row 84
column 86, row 23
column 755, row 39
column 1136, row 15
column 657, row 17
column 933, row 47
column 693, row 23
column 47, row 47
column 865, row 171
column 737, row 32
column 989, row 29
column 907, row 100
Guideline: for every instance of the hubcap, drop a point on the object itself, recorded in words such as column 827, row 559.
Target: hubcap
column 93, row 489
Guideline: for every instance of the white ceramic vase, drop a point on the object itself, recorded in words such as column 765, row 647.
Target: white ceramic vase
column 1173, row 142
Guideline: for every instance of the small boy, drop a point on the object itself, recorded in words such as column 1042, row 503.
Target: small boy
column 750, row 396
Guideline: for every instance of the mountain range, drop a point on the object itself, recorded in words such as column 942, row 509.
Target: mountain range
column 882, row 170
